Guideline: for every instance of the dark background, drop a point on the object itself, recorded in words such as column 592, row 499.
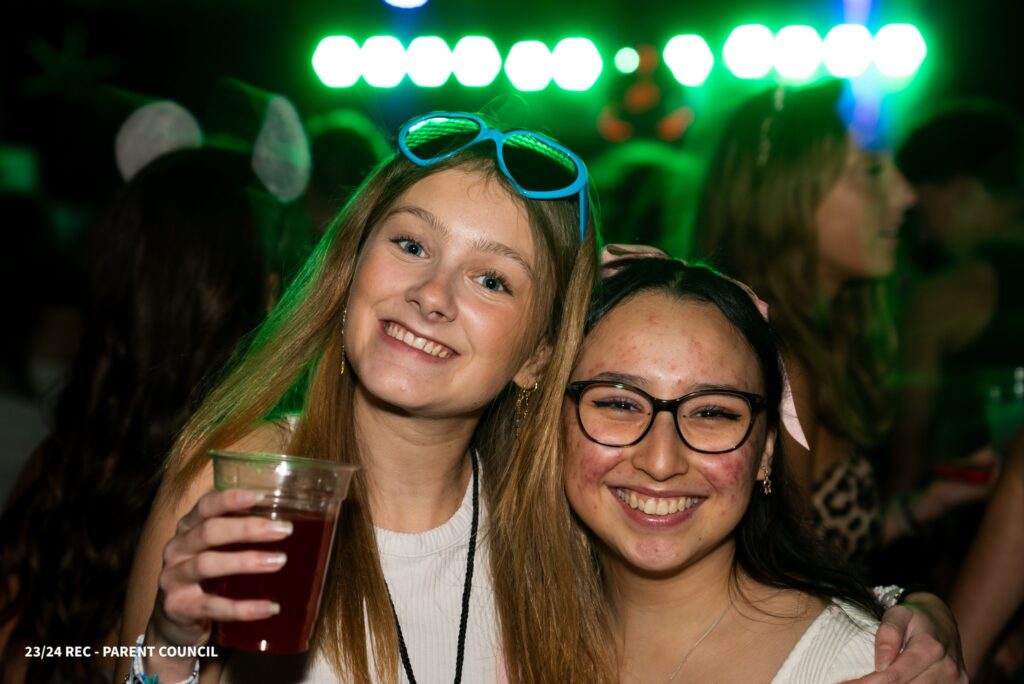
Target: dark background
column 55, row 55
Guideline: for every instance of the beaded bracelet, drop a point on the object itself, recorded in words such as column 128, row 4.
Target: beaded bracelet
column 136, row 674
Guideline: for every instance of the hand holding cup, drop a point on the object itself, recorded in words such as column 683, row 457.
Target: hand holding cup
column 253, row 555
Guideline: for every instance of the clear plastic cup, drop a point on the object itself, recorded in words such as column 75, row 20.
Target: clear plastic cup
column 308, row 493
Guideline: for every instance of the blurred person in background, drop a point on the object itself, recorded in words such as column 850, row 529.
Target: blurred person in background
column 345, row 146
column 988, row 594
column 801, row 207
column 963, row 326
column 41, row 332
column 178, row 275
column 648, row 190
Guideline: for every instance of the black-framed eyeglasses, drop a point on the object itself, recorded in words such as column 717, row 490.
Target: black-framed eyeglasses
column 710, row 421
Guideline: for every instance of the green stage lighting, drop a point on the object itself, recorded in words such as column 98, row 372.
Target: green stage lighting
column 383, row 60
column 748, row 51
column 429, row 61
column 797, row 52
column 575, row 64
column 528, row 65
column 899, row 50
column 475, row 61
column 689, row 58
column 846, row 50
column 336, row 61
column 627, row 60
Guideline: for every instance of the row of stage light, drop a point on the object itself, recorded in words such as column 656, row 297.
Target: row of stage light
column 752, row 51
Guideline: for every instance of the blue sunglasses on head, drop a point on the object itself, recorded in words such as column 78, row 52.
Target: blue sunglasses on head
column 537, row 166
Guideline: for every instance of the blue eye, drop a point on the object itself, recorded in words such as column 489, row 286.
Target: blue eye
column 409, row 246
column 493, row 282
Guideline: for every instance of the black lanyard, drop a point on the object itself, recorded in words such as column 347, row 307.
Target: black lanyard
column 461, row 651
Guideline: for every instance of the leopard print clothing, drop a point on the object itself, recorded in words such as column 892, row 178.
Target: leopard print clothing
column 847, row 511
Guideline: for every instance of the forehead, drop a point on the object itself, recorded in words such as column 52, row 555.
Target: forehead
column 670, row 340
column 465, row 185
column 471, row 203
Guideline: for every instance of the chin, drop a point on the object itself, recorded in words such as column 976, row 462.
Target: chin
column 401, row 395
column 657, row 561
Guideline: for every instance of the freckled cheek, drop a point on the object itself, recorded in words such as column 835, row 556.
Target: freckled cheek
column 586, row 464
column 731, row 477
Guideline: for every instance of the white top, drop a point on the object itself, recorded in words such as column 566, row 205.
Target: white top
column 426, row 574
column 839, row 645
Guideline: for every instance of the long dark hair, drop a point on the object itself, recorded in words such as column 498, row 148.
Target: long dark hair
column 779, row 155
column 773, row 547
column 178, row 273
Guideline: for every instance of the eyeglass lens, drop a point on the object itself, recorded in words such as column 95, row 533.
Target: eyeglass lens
column 536, row 165
column 435, row 137
column 618, row 416
column 532, row 163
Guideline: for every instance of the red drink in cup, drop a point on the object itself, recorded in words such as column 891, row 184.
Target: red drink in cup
column 308, row 493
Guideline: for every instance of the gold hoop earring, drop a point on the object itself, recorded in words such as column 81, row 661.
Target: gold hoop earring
column 766, row 483
column 523, row 406
column 344, row 314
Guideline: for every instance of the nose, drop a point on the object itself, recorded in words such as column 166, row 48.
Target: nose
column 903, row 194
column 434, row 295
column 661, row 453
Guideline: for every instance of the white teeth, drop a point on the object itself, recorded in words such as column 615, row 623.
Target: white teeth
column 399, row 333
column 656, row 505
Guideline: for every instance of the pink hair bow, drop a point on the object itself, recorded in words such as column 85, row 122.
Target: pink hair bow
column 787, row 408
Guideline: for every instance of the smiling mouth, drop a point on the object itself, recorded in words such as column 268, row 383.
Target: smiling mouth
column 397, row 332
column 650, row 505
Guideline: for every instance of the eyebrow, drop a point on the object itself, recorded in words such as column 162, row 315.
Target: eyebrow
column 480, row 244
column 624, row 378
column 640, row 382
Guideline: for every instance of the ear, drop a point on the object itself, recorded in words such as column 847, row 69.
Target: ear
column 532, row 370
column 767, row 455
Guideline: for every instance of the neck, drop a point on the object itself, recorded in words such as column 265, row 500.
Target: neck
column 416, row 468
column 682, row 605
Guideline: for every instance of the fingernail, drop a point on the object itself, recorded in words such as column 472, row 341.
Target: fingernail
column 281, row 527
column 274, row 608
column 273, row 560
column 252, row 496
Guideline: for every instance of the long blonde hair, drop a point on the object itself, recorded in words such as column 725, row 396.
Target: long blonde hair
column 550, row 619
column 780, row 153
